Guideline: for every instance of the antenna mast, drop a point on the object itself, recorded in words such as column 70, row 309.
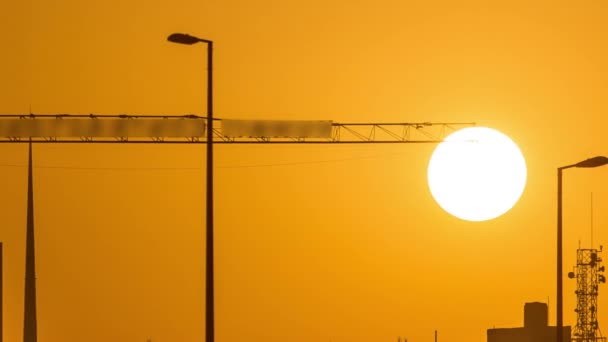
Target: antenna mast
column 589, row 274
column 591, row 220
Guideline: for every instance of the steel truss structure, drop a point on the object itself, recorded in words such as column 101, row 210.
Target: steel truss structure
column 341, row 133
column 588, row 274
column 189, row 129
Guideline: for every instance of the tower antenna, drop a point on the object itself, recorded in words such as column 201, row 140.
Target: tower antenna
column 591, row 213
column 589, row 275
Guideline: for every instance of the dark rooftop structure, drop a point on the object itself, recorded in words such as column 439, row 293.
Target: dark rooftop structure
column 536, row 327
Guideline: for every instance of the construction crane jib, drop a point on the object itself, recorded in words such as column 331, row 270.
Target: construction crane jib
column 185, row 129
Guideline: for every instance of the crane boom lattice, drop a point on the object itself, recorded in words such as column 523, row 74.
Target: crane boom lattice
column 95, row 128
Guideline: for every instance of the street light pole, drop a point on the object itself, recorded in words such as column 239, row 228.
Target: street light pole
column 588, row 163
column 559, row 320
column 182, row 38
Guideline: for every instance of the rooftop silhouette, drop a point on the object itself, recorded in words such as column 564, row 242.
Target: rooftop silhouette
column 536, row 327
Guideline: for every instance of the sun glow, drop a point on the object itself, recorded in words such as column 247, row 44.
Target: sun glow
column 477, row 174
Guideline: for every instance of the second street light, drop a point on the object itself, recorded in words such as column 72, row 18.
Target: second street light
column 182, row 38
column 588, row 163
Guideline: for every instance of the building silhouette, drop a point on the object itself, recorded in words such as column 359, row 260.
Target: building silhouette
column 536, row 327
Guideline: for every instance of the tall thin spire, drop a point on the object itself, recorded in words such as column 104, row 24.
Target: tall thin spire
column 1, row 296
column 30, row 329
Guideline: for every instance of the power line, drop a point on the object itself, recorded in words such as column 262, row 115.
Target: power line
column 60, row 167
column 243, row 166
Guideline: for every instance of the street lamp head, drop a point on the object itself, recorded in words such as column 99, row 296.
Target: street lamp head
column 593, row 162
column 182, row 38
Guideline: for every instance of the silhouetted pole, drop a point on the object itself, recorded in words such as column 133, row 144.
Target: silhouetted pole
column 591, row 162
column 30, row 326
column 559, row 320
column 181, row 38
column 1, row 295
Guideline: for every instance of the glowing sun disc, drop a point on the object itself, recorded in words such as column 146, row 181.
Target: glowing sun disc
column 477, row 174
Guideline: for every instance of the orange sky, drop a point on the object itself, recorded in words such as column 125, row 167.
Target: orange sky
column 350, row 250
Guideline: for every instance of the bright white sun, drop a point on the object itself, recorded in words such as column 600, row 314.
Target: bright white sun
column 477, row 174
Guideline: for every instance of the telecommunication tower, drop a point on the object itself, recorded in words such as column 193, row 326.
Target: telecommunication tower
column 588, row 274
